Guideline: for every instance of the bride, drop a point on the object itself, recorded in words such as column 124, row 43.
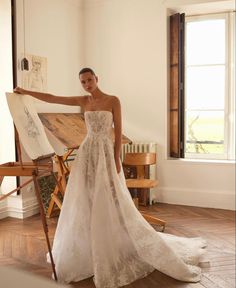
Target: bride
column 100, row 232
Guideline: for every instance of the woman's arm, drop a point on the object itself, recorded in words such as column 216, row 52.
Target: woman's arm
column 74, row 101
column 118, row 131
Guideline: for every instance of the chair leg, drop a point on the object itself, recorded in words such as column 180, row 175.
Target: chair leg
column 136, row 202
column 150, row 219
column 154, row 220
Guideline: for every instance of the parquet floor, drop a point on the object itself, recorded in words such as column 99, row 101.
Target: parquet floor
column 22, row 245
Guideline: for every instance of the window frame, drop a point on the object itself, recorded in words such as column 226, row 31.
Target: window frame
column 229, row 101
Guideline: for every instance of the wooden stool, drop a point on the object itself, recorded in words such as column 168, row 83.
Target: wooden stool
column 141, row 161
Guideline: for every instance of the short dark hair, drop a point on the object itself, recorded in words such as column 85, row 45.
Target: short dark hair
column 85, row 70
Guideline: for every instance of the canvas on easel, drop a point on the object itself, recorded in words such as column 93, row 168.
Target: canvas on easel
column 33, row 138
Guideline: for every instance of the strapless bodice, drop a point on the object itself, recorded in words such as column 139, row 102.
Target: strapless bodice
column 98, row 122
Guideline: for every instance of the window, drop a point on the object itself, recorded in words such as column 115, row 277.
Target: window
column 202, row 86
column 209, row 87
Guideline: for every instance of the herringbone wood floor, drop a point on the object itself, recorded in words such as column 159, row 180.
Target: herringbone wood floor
column 22, row 245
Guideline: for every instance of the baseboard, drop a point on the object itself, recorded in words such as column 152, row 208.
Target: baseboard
column 30, row 207
column 14, row 207
column 22, row 214
column 199, row 198
column 3, row 209
column 207, row 199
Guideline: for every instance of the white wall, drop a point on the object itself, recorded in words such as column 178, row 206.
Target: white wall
column 53, row 29
column 7, row 146
column 126, row 43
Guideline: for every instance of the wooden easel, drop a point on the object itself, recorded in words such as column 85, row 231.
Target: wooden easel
column 39, row 167
column 63, row 172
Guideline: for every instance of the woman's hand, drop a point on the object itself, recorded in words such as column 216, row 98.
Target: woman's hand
column 19, row 90
column 118, row 166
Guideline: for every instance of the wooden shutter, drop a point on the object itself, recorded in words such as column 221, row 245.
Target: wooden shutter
column 177, row 85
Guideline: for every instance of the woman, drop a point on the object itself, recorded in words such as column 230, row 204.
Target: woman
column 100, row 232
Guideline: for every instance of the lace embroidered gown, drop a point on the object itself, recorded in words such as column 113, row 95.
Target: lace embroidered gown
column 100, row 232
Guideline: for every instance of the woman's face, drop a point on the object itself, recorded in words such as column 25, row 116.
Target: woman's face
column 88, row 81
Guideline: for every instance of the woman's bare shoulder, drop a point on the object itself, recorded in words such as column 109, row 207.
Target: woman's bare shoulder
column 112, row 99
column 115, row 100
column 86, row 98
column 115, row 103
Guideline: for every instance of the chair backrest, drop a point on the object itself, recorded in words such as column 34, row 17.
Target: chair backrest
column 139, row 159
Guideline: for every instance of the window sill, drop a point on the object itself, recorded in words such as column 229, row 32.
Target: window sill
column 201, row 161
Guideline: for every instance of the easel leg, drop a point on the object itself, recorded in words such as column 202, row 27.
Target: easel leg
column 50, row 207
column 44, row 222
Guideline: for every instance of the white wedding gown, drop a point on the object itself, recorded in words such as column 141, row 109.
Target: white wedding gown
column 100, row 232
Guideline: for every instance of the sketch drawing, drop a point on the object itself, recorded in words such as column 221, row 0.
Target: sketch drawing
column 36, row 78
column 31, row 131
column 31, row 128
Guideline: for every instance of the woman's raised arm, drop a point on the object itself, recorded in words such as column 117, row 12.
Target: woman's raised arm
column 73, row 101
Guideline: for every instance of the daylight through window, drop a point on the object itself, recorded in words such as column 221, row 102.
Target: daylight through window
column 209, row 82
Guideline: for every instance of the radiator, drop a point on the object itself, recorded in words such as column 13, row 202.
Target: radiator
column 139, row 147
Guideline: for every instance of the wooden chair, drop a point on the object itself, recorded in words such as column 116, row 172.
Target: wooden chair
column 141, row 161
